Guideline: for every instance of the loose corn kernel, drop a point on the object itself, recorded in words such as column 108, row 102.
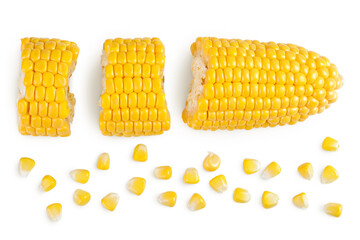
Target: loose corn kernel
column 47, row 183
column 163, row 172
column 191, row 176
column 301, row 201
column 272, row 170
column 251, row 166
column 211, row 162
column 110, row 201
column 167, row 198
column 330, row 144
column 196, row 202
column 81, row 197
column 136, row 185
column 80, row 175
column 329, row 175
column 219, row 183
column 334, row 209
column 269, row 199
column 54, row 211
column 140, row 153
column 25, row 166
column 241, row 195
column 306, row 170
column 103, row 162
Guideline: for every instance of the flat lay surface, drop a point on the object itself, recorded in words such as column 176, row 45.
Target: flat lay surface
column 326, row 27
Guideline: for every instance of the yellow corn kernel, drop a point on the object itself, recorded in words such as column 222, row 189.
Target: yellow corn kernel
column 191, row 176
column 103, row 162
column 306, row 170
column 334, row 209
column 241, row 195
column 47, row 183
column 269, row 199
column 140, row 153
column 80, row 175
column 196, row 202
column 81, row 197
column 25, row 166
column 163, row 172
column 251, row 166
column 110, row 201
column 272, row 170
column 136, row 185
column 329, row 175
column 54, row 211
column 211, row 162
column 168, row 198
column 301, row 201
column 219, row 183
column 330, row 144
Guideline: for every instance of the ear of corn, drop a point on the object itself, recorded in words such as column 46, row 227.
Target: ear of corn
column 241, row 195
column 54, row 211
column 334, row 209
column 25, row 166
column 80, row 175
column 306, row 170
column 329, row 175
column 103, row 162
column 47, row 183
column 251, row 166
column 133, row 99
column 211, row 162
column 168, row 198
column 301, row 201
column 110, row 201
column 191, row 176
column 330, row 144
column 245, row 84
column 269, row 199
column 272, row 170
column 46, row 107
column 140, row 153
column 219, row 183
column 196, row 202
column 163, row 172
column 136, row 185
column 81, row 197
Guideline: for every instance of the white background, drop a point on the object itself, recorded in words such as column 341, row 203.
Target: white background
column 327, row 27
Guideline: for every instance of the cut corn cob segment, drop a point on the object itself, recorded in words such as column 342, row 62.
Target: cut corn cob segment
column 306, row 170
column 140, row 153
column 330, row 144
column 301, row 201
column 334, row 209
column 211, row 162
column 133, row 99
column 163, row 172
column 191, row 176
column 25, row 166
column 196, row 202
column 241, row 195
column 272, row 170
column 168, row 198
column 54, row 211
column 329, row 175
column 219, row 183
column 110, row 201
column 80, row 175
column 46, row 106
column 81, row 197
column 136, row 185
column 47, row 183
column 244, row 84
column 103, row 162
column 251, row 166
column 269, row 199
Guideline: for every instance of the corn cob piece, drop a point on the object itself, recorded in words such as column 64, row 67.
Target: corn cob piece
column 46, row 106
column 133, row 99
column 244, row 84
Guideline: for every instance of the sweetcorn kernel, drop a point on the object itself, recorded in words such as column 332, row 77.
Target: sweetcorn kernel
column 241, row 195
column 103, row 162
column 301, row 201
column 251, row 166
column 140, row 153
column 306, row 170
column 272, row 170
column 47, row 183
column 136, row 185
column 163, row 172
column 334, row 209
column 269, row 199
column 219, row 183
column 191, row 176
column 80, row 175
column 330, row 144
column 54, row 211
column 25, row 166
column 329, row 175
column 196, row 202
column 81, row 197
column 110, row 201
column 167, row 198
column 211, row 162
